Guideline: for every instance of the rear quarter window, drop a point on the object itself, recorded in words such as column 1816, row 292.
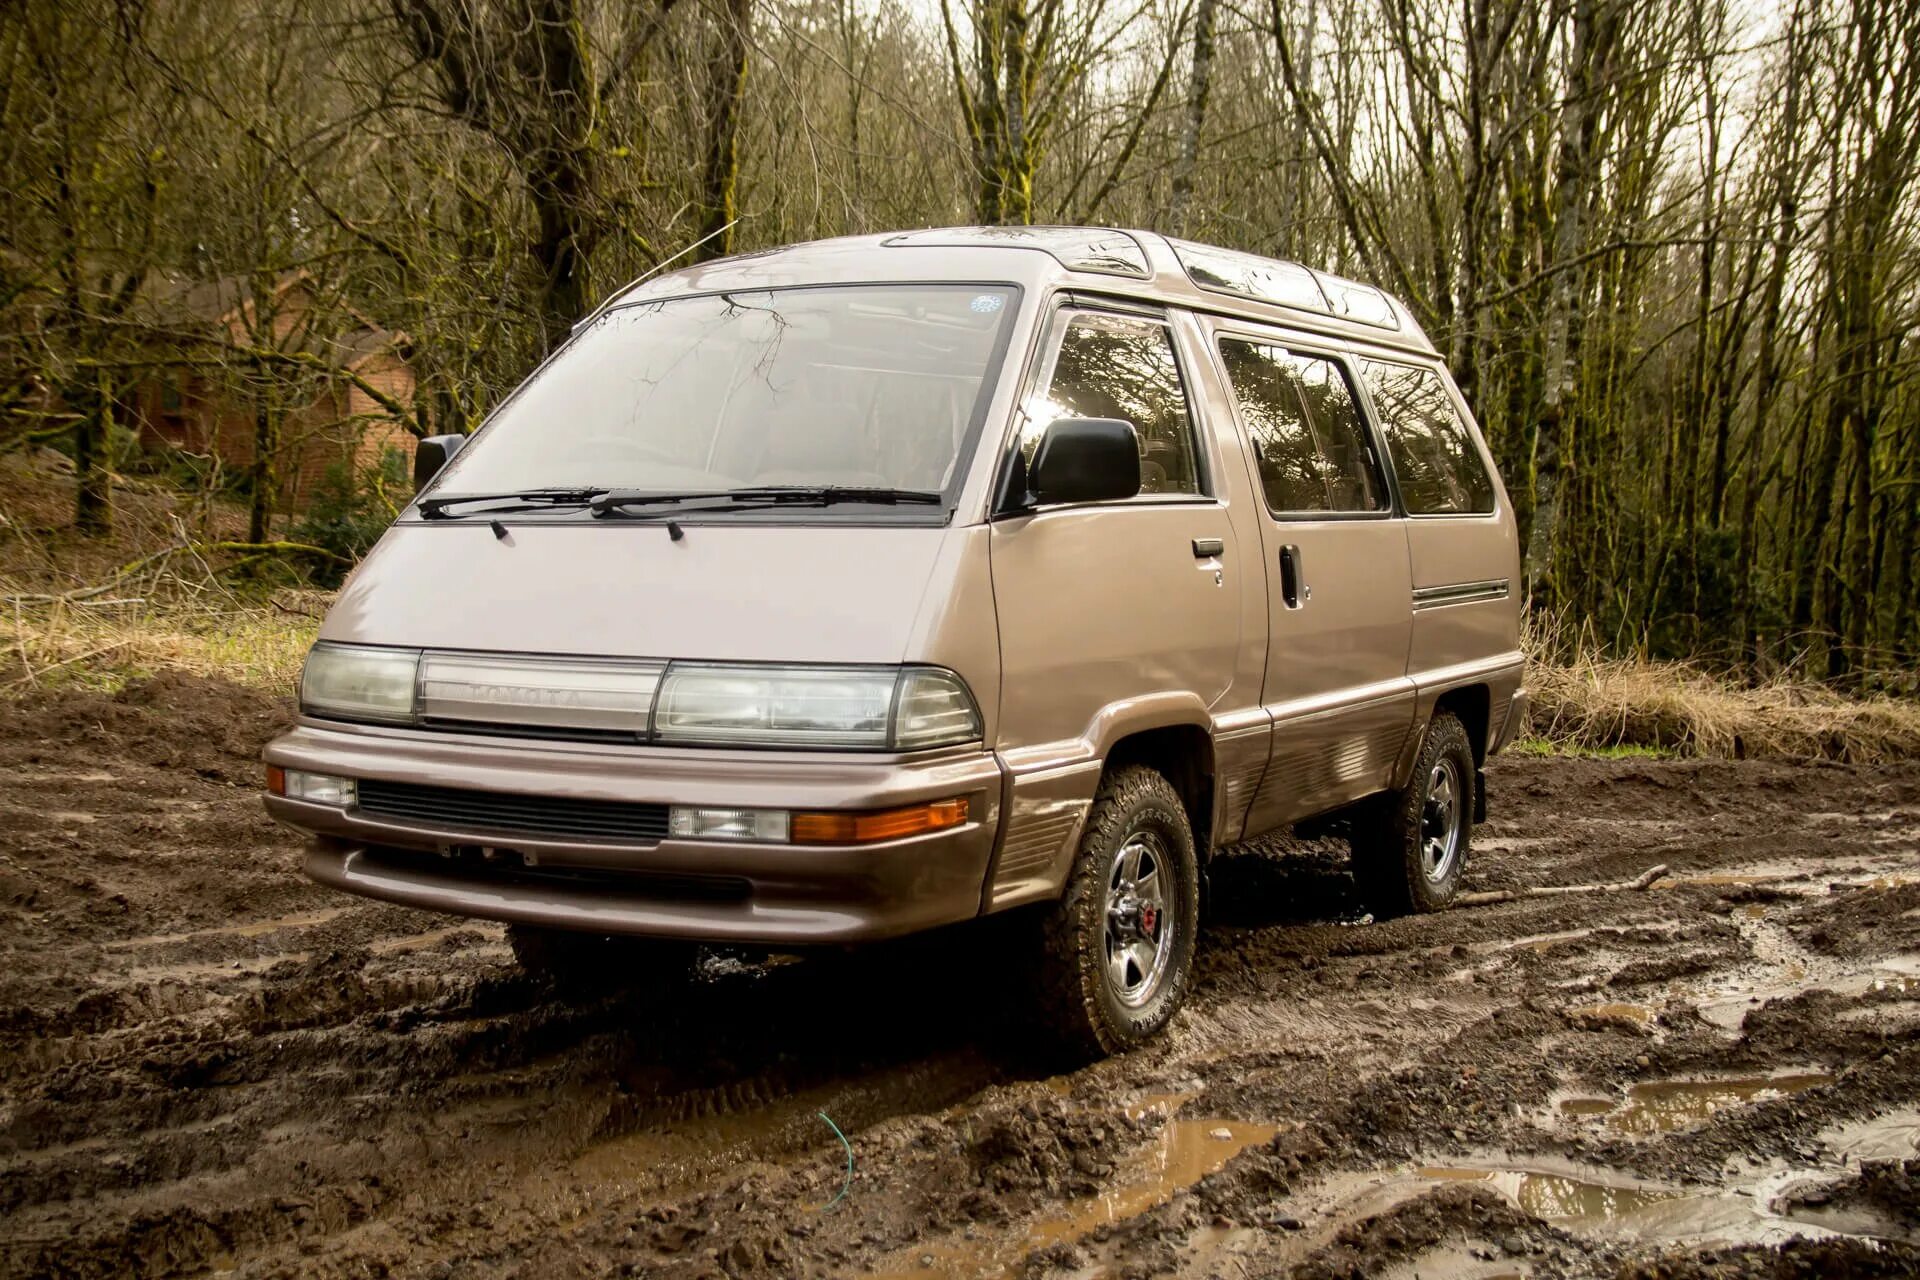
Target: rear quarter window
column 1440, row 469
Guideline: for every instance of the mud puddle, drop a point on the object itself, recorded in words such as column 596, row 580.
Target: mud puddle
column 1582, row 1204
column 1764, row 1210
column 1187, row 1150
column 1728, row 1005
column 1667, row 1106
column 1612, row 1206
column 1891, row 1135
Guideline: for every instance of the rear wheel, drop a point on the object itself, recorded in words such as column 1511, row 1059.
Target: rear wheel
column 1117, row 954
column 1410, row 846
column 600, row 961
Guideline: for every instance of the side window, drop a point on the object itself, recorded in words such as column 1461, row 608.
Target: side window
column 1433, row 453
column 1307, row 435
column 1113, row 366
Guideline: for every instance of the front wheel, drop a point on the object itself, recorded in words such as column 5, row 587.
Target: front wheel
column 1117, row 954
column 1410, row 846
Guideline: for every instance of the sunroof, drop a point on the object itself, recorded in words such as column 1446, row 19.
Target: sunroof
column 1098, row 249
column 1286, row 284
column 1251, row 276
column 1361, row 303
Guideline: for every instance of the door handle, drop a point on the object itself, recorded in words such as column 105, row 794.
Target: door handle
column 1204, row 547
column 1293, row 587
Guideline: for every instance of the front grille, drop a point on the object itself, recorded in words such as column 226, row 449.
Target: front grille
column 482, row 811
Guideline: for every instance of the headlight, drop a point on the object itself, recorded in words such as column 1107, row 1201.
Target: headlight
column 905, row 708
column 354, row 682
column 713, row 704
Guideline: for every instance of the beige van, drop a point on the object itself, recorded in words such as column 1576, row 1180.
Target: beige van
column 864, row 587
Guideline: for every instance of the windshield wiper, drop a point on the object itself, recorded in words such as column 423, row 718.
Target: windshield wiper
column 831, row 493
column 436, row 508
column 763, row 497
column 611, row 501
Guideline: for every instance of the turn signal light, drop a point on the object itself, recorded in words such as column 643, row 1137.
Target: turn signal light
column 314, row 788
column 883, row 824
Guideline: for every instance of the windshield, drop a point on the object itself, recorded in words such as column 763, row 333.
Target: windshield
column 864, row 386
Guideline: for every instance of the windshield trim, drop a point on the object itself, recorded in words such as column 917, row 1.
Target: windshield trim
column 966, row 454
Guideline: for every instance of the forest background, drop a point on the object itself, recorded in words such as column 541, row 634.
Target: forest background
column 1668, row 246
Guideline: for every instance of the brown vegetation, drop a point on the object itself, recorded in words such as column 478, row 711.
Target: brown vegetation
column 158, row 595
column 1591, row 702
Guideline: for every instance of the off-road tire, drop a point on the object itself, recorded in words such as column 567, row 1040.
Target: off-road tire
column 1388, row 835
column 599, row 961
column 1078, row 1006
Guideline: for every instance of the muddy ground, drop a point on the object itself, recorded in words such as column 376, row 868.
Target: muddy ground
column 209, row 1065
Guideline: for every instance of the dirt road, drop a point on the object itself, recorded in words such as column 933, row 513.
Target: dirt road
column 207, row 1064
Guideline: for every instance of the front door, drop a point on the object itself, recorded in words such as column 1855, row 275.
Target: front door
column 1338, row 583
column 1109, row 603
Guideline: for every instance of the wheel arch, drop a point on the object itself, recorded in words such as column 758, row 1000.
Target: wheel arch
column 1472, row 705
column 1183, row 754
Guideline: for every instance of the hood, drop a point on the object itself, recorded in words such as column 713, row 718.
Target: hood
column 738, row 592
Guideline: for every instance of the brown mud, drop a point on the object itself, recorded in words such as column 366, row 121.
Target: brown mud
column 208, row 1065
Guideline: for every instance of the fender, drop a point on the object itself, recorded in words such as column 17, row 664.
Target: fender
column 1050, row 787
column 1503, row 675
column 1109, row 725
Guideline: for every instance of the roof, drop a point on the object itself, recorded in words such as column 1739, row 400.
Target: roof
column 1137, row 264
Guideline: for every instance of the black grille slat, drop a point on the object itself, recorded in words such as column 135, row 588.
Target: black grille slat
column 457, row 807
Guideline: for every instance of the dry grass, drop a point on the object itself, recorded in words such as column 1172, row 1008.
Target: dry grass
column 102, row 646
column 1587, row 703
column 97, row 612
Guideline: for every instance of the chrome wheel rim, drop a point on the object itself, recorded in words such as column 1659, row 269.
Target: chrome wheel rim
column 1442, row 818
column 1139, row 929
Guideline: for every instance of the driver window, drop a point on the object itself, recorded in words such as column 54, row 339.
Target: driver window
column 1114, row 366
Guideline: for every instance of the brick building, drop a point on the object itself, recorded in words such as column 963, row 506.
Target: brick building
column 329, row 377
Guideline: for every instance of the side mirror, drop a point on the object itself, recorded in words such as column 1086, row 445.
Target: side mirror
column 1085, row 460
column 431, row 454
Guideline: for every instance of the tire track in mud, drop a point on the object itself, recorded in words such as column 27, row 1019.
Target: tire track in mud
column 219, row 1094
column 205, row 1062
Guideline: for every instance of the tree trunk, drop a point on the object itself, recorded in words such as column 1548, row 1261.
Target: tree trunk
column 265, row 479
column 1199, row 86
column 92, row 463
column 1595, row 33
column 726, row 89
column 1769, row 372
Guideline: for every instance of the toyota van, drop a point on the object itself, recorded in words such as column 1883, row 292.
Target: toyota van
column 877, row 585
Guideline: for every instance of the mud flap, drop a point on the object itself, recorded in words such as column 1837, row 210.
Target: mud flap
column 1479, row 794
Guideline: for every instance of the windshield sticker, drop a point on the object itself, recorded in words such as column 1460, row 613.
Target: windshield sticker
column 988, row 303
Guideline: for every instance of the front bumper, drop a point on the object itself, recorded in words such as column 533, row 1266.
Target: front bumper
column 710, row 890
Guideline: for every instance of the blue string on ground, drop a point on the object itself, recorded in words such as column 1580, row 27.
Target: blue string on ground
column 848, row 1186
